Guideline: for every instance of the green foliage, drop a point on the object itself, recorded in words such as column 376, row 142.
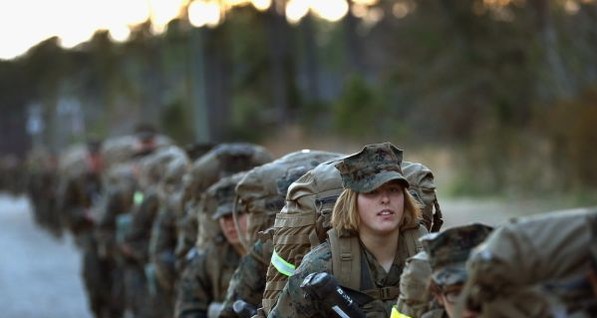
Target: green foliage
column 512, row 87
column 176, row 123
column 357, row 110
column 570, row 128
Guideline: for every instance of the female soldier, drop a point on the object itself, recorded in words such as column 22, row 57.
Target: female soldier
column 375, row 228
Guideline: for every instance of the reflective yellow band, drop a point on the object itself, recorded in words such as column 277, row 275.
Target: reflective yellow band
column 138, row 197
column 397, row 314
column 282, row 265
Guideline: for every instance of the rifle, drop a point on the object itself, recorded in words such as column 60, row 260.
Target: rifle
column 324, row 287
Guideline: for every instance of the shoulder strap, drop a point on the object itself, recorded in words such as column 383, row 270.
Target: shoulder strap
column 346, row 259
column 409, row 238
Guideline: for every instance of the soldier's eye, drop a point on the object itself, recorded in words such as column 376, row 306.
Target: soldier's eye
column 395, row 189
column 371, row 193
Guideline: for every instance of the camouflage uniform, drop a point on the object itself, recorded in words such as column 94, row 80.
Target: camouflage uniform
column 206, row 276
column 376, row 291
column 119, row 202
column 261, row 194
column 135, row 244
column 80, row 193
column 123, row 196
column 248, row 281
column 447, row 253
column 414, row 298
column 538, row 266
column 222, row 161
column 292, row 302
column 160, row 270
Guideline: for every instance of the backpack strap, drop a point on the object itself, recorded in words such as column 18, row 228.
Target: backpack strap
column 347, row 262
column 384, row 293
column 346, row 259
column 409, row 243
column 438, row 219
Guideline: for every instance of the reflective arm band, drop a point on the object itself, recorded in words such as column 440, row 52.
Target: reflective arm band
column 397, row 314
column 138, row 197
column 282, row 265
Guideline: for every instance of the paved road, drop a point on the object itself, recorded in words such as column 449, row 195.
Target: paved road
column 39, row 275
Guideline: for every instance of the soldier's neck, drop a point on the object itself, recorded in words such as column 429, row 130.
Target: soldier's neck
column 383, row 247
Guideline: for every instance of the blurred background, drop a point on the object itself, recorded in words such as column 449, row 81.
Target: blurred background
column 498, row 97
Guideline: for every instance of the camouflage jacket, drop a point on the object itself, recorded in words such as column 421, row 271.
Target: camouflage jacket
column 139, row 233
column 293, row 302
column 248, row 281
column 76, row 195
column 161, row 248
column 206, row 279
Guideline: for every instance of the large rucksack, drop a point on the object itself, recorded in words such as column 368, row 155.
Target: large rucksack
column 262, row 191
column 305, row 219
column 221, row 161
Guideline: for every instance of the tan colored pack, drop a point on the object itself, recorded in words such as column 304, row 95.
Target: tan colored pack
column 262, row 191
column 122, row 148
column 221, row 161
column 305, row 219
column 551, row 250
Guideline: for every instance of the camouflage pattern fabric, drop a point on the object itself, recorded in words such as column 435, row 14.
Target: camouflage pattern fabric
column 414, row 298
column 205, row 279
column 221, row 161
column 79, row 196
column 547, row 256
column 448, row 251
column 161, row 248
column 141, row 293
column 262, row 191
column 164, row 231
column 373, row 166
column 293, row 302
column 245, row 284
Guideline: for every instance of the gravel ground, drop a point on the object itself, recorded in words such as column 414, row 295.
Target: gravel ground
column 39, row 275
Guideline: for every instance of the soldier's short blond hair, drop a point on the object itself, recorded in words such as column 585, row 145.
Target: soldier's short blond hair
column 345, row 215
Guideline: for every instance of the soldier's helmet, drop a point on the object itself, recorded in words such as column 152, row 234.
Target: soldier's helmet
column 373, row 166
column 448, row 251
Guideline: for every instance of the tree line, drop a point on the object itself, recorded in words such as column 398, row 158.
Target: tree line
column 509, row 85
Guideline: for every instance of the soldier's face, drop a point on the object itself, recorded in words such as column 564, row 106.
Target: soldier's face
column 449, row 298
column 381, row 210
column 229, row 229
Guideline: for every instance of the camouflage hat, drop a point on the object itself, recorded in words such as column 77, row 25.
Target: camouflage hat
column 370, row 168
column 224, row 194
column 449, row 250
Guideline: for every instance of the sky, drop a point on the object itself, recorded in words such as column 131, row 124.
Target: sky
column 25, row 23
